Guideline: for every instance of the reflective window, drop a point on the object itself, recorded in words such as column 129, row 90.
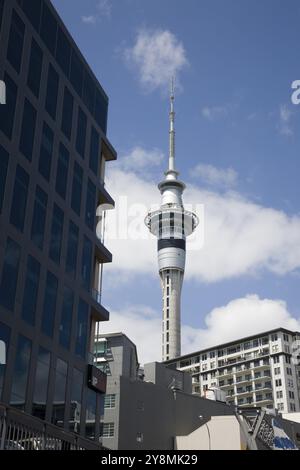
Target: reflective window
column 90, row 208
column 39, row 217
column 89, row 92
column 5, row 337
column 52, row 92
column 41, row 384
column 72, row 249
column 82, row 329
column 94, row 151
column 59, row 399
column 66, row 318
column 67, row 114
column 76, row 76
column 28, row 130
column 10, row 275
column 32, row 10
column 49, row 307
column 19, row 200
column 86, row 263
column 48, row 28
column 90, row 416
column 3, row 173
column 1, row 16
column 20, row 375
column 7, row 112
column 77, row 188
column 46, row 151
column 101, row 107
column 35, row 68
column 56, row 234
column 81, row 132
column 76, row 401
column 63, row 52
column 62, row 171
column 15, row 42
column 31, row 290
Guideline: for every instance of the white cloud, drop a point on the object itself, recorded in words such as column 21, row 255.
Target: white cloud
column 239, row 318
column 241, row 237
column 157, row 55
column 103, row 9
column 285, row 115
column 91, row 19
column 214, row 112
column 220, row 177
column 139, row 159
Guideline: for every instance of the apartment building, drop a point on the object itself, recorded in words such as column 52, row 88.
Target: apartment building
column 257, row 371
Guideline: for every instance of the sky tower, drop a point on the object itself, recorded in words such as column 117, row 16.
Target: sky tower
column 171, row 224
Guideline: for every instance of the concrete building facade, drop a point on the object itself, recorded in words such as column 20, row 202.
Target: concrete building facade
column 260, row 371
column 54, row 150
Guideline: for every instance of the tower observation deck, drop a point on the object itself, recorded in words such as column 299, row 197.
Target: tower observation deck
column 171, row 224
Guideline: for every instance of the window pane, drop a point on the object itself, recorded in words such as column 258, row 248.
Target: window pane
column 76, row 401
column 48, row 28
column 15, row 42
column 77, row 188
column 82, row 328
column 71, row 261
column 59, row 401
column 63, row 52
column 1, row 17
column 66, row 318
column 46, row 151
column 19, row 201
column 52, row 92
column 56, row 234
column 33, row 11
column 7, row 112
column 90, row 417
column 28, row 130
column 3, row 173
column 20, row 376
column 81, row 132
column 35, row 68
column 101, row 107
column 94, row 151
column 5, row 337
column 39, row 217
column 31, row 290
column 49, row 304
column 89, row 92
column 86, row 263
column 62, row 171
column 76, row 76
column 41, row 384
column 67, row 114
column 90, row 208
column 10, row 275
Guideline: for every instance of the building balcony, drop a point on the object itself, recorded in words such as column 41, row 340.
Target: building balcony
column 244, row 392
column 101, row 252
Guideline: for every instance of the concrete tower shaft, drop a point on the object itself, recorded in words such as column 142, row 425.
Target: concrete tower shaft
column 171, row 224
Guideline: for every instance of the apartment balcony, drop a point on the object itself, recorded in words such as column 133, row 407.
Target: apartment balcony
column 244, row 392
column 265, row 401
column 243, row 381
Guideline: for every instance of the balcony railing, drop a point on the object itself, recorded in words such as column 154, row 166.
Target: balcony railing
column 20, row 431
column 96, row 296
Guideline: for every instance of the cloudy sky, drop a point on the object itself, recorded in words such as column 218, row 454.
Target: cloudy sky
column 237, row 148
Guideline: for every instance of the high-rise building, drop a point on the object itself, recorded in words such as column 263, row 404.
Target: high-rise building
column 53, row 153
column 258, row 371
column 171, row 224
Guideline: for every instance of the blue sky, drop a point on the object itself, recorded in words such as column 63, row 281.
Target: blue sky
column 237, row 148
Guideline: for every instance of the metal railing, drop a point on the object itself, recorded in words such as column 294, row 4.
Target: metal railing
column 20, row 431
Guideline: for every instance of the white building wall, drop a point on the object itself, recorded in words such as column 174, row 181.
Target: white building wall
column 220, row 433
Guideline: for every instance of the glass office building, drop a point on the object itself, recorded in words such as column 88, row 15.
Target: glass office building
column 53, row 152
